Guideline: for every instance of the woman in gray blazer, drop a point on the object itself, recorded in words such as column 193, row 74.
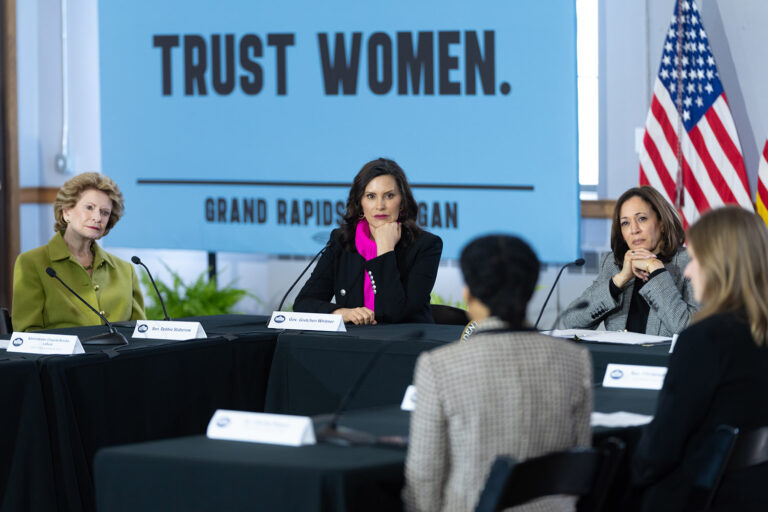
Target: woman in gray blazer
column 507, row 390
column 641, row 286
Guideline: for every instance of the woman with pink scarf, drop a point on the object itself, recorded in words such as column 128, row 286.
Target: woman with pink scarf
column 379, row 265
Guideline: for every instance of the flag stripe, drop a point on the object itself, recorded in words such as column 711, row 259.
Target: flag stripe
column 727, row 144
column 713, row 171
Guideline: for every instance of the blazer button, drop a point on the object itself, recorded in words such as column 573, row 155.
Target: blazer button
column 103, row 313
column 96, row 288
column 342, row 292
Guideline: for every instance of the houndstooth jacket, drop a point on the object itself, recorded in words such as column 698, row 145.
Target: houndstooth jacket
column 519, row 393
column 669, row 295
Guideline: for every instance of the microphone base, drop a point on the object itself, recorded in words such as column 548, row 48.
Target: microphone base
column 343, row 436
column 108, row 338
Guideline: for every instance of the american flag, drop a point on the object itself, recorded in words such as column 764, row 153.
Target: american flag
column 691, row 151
column 762, row 185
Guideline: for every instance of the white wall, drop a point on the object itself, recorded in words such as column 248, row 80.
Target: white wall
column 631, row 36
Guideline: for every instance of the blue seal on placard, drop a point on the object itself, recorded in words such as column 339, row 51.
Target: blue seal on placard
column 143, row 328
column 223, row 421
column 17, row 342
column 617, row 374
column 279, row 319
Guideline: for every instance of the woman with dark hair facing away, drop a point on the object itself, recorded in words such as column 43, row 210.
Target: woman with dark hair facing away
column 87, row 207
column 641, row 287
column 379, row 265
column 507, row 390
column 718, row 371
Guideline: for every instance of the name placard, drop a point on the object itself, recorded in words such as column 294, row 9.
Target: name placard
column 168, row 330
column 409, row 399
column 48, row 344
column 306, row 321
column 634, row 376
column 258, row 427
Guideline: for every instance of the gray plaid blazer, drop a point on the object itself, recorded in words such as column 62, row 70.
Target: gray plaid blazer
column 520, row 394
column 669, row 295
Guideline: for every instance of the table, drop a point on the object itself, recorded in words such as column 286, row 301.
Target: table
column 150, row 389
column 311, row 372
column 200, row 474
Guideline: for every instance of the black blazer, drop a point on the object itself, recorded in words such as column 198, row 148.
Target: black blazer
column 404, row 280
column 717, row 375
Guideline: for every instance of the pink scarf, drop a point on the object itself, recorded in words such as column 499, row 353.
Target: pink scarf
column 367, row 249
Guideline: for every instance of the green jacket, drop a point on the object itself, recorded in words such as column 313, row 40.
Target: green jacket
column 41, row 302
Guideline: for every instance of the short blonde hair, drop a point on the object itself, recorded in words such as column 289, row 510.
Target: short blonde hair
column 731, row 245
column 70, row 193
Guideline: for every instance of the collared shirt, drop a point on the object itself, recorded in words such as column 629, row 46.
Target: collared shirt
column 41, row 302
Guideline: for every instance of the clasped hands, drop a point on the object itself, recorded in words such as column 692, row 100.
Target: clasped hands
column 637, row 263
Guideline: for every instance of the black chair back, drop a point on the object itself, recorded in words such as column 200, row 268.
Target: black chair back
column 711, row 472
column 584, row 472
column 6, row 327
column 731, row 451
column 449, row 315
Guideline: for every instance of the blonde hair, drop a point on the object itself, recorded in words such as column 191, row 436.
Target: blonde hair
column 731, row 246
column 70, row 192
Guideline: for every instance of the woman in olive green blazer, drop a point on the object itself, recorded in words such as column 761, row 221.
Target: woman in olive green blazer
column 86, row 208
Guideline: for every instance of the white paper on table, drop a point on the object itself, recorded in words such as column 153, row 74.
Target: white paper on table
column 618, row 419
column 621, row 337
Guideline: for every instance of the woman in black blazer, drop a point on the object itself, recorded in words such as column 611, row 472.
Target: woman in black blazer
column 379, row 264
column 718, row 372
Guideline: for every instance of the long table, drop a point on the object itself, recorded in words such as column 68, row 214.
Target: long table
column 63, row 409
column 200, row 474
column 310, row 373
column 59, row 410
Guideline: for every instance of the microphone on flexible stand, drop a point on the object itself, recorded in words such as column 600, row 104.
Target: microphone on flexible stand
column 112, row 337
column 579, row 262
column 137, row 261
column 280, row 307
column 332, row 432
column 579, row 305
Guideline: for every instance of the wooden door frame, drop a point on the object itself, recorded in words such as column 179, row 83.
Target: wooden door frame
column 9, row 151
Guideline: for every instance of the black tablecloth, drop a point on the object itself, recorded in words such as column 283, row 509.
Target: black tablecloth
column 149, row 389
column 199, row 474
column 26, row 466
column 311, row 372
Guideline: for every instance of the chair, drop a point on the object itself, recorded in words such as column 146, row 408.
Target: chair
column 449, row 315
column 584, row 472
column 6, row 327
column 731, row 450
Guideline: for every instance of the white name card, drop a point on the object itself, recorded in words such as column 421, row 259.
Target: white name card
column 259, row 427
column 306, row 321
column 634, row 376
column 49, row 344
column 409, row 399
column 168, row 330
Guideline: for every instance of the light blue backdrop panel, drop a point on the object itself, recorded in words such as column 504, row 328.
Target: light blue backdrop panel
column 238, row 125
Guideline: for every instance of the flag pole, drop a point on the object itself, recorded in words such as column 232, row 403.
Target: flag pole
column 679, row 104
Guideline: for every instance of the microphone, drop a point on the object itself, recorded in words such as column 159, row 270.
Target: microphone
column 112, row 337
column 578, row 306
column 332, row 433
column 328, row 244
column 137, row 261
column 579, row 262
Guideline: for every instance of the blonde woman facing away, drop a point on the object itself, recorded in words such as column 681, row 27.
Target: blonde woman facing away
column 718, row 372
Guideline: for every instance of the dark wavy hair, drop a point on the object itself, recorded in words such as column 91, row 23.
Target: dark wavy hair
column 409, row 210
column 501, row 271
column 672, row 232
